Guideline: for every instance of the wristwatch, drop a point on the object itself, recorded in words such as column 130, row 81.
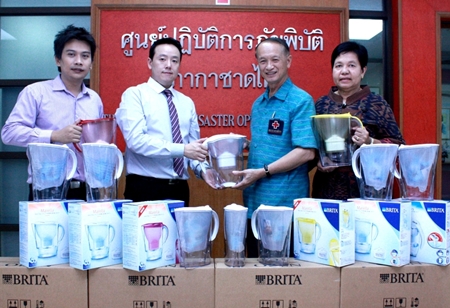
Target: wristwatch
column 266, row 169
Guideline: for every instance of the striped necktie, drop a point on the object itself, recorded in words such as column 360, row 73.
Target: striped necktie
column 178, row 163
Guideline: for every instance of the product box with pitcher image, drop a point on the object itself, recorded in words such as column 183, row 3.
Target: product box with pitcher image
column 430, row 232
column 43, row 233
column 324, row 231
column 95, row 234
column 149, row 234
column 382, row 231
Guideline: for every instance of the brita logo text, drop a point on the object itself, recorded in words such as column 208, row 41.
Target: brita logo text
column 402, row 278
column 29, row 280
column 152, row 281
column 278, row 280
column 390, row 210
column 435, row 210
column 330, row 210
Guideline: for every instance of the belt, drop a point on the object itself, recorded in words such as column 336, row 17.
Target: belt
column 75, row 184
column 154, row 180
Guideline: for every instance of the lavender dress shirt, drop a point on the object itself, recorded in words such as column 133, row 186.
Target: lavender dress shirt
column 46, row 106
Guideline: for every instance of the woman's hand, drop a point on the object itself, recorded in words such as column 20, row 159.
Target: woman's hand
column 361, row 136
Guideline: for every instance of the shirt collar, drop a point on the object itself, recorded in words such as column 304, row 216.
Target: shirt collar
column 282, row 92
column 157, row 87
column 58, row 85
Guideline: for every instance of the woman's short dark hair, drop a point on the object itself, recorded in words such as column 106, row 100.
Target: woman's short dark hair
column 165, row 40
column 70, row 33
column 350, row 46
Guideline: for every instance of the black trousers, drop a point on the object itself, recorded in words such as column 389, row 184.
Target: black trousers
column 141, row 188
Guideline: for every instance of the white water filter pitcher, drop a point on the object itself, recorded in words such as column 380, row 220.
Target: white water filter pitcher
column 417, row 170
column 197, row 228
column 52, row 165
column 374, row 168
column 334, row 135
column 271, row 226
column 235, row 233
column 103, row 165
column 226, row 154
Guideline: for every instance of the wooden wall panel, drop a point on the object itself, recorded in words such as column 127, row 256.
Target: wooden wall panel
column 201, row 193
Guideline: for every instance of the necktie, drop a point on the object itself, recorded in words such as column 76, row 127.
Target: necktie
column 178, row 163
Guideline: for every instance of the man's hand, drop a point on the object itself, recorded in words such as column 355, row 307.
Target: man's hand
column 250, row 176
column 196, row 150
column 69, row 134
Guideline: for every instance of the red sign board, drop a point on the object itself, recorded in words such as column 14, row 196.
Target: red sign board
column 218, row 70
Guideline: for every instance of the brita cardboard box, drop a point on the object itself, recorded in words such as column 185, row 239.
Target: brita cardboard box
column 149, row 234
column 371, row 285
column 324, row 231
column 42, row 287
column 95, row 234
column 430, row 232
column 301, row 284
column 164, row 287
column 43, row 233
column 383, row 231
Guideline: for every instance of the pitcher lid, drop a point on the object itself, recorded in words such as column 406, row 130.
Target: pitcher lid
column 332, row 115
column 223, row 136
column 417, row 146
column 82, row 122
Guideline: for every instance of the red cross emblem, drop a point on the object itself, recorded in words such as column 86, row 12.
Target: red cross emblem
column 275, row 124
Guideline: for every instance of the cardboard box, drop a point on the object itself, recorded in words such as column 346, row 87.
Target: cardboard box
column 375, row 286
column 430, row 232
column 164, row 287
column 43, row 233
column 301, row 284
column 50, row 286
column 95, row 234
column 324, row 231
column 149, row 234
column 383, row 231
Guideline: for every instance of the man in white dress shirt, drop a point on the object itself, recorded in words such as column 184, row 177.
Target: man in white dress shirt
column 144, row 119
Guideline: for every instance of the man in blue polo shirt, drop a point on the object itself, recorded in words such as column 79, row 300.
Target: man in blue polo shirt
column 282, row 137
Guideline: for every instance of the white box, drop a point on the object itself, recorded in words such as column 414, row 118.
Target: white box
column 430, row 232
column 324, row 231
column 149, row 234
column 43, row 233
column 383, row 231
column 95, row 234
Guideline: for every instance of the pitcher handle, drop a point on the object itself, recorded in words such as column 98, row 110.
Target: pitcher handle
column 397, row 173
column 319, row 231
column 60, row 234
column 119, row 165
column 356, row 120
column 254, row 229
column 77, row 145
column 374, row 227
column 216, row 225
column 112, row 233
column 73, row 157
column 165, row 233
column 355, row 163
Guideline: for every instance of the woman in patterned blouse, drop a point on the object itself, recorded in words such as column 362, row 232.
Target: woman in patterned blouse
column 349, row 64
